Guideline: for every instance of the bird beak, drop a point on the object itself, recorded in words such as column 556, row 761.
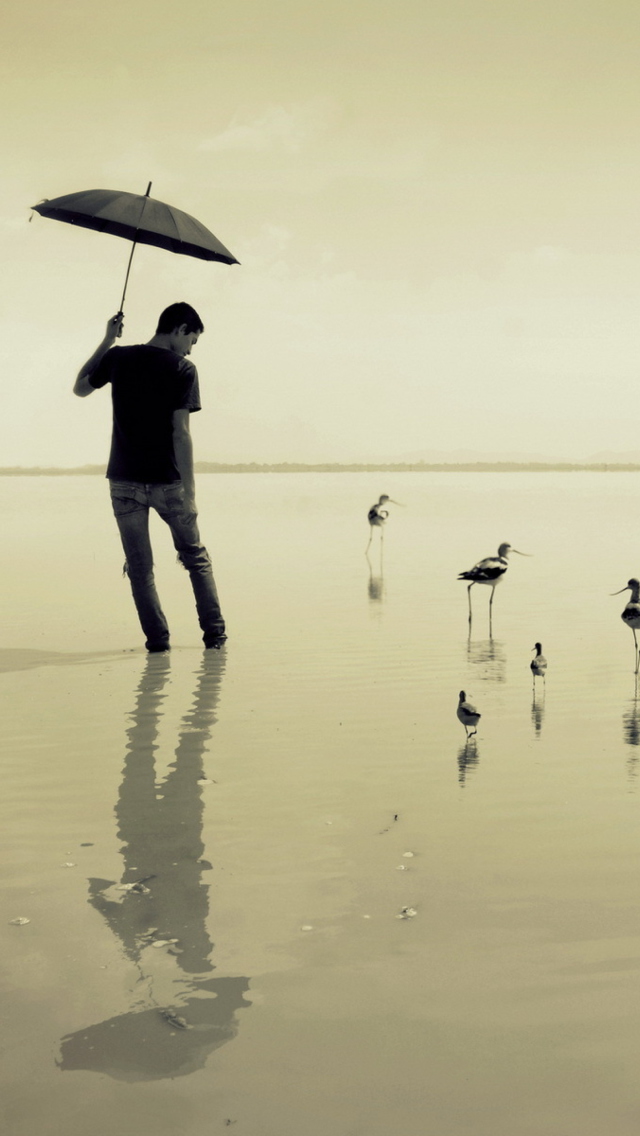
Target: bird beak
column 392, row 502
column 522, row 553
column 627, row 589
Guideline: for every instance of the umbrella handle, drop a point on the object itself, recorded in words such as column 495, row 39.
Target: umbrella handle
column 126, row 279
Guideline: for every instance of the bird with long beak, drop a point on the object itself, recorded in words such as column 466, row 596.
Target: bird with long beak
column 631, row 613
column 468, row 715
column 377, row 515
column 539, row 664
column 489, row 571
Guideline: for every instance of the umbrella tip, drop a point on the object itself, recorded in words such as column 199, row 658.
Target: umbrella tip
column 34, row 208
column 148, row 189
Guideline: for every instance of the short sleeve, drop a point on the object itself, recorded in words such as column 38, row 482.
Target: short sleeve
column 104, row 371
column 190, row 398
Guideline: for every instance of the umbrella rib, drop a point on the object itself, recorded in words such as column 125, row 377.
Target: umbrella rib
column 175, row 225
column 144, row 205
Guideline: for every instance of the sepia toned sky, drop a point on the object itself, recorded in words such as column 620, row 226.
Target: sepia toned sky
column 436, row 206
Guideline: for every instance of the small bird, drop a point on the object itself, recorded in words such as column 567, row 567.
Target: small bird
column 489, row 571
column 468, row 715
column 631, row 613
column 539, row 664
column 377, row 515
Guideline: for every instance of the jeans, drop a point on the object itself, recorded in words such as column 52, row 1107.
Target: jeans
column 131, row 503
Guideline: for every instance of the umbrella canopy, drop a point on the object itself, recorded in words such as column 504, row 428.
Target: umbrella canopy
column 138, row 218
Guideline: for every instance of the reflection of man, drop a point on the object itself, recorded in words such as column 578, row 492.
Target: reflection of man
column 159, row 910
column 154, row 390
column 161, row 825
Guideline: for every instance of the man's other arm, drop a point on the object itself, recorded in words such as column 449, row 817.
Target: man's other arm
column 183, row 450
column 82, row 386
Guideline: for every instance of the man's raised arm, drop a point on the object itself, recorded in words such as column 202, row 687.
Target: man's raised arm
column 82, row 386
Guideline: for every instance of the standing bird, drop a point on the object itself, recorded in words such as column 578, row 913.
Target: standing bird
column 539, row 664
column 468, row 715
column 377, row 516
column 489, row 571
column 631, row 613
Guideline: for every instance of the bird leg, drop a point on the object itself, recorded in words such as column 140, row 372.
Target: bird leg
column 491, row 612
column 469, row 596
column 635, row 639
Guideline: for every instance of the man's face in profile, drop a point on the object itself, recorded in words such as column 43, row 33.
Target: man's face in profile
column 182, row 340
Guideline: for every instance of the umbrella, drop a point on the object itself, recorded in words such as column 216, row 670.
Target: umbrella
column 111, row 211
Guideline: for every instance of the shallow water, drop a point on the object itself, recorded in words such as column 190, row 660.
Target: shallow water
column 267, row 796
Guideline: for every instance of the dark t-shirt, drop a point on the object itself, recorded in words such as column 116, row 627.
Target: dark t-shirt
column 147, row 385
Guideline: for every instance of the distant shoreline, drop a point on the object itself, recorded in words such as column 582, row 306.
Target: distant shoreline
column 355, row 467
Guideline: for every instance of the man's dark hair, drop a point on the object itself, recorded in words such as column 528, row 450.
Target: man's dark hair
column 175, row 316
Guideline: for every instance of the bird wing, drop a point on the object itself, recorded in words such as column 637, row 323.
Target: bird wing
column 489, row 569
column 469, row 708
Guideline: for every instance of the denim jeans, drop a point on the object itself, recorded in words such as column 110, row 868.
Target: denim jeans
column 131, row 503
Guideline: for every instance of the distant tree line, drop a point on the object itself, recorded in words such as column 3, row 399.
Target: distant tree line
column 340, row 467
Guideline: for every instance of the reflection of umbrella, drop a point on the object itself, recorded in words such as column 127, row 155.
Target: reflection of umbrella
column 142, row 1045
column 110, row 211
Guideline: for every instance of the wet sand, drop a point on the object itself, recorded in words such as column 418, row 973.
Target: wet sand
column 213, row 848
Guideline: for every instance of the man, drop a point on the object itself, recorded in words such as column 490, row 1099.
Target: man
column 154, row 390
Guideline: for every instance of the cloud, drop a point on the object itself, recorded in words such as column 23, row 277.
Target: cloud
column 15, row 223
column 551, row 254
column 277, row 128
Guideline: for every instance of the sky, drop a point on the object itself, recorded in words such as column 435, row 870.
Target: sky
column 435, row 203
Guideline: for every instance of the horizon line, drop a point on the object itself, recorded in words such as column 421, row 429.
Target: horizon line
column 347, row 467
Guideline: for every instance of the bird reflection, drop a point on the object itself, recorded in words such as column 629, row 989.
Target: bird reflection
column 468, row 758
column 181, row 1013
column 631, row 725
column 537, row 710
column 488, row 655
column 375, row 586
column 631, row 732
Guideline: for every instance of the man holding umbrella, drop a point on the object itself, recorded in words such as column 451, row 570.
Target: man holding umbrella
column 154, row 390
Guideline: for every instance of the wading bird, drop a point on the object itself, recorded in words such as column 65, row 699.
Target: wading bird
column 489, row 571
column 631, row 613
column 468, row 715
column 539, row 664
column 377, row 516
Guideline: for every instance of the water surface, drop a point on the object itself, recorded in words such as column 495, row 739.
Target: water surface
column 267, row 797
